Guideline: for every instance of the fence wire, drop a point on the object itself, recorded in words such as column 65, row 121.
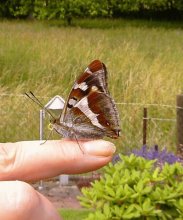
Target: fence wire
column 20, row 121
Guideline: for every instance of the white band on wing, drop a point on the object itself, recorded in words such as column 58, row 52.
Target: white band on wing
column 84, row 107
column 83, row 86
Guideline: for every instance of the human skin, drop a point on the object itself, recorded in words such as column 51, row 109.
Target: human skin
column 27, row 161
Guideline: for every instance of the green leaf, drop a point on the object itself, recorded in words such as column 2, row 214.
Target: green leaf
column 139, row 187
column 110, row 191
column 147, row 207
column 106, row 211
column 156, row 173
column 131, row 212
column 118, row 211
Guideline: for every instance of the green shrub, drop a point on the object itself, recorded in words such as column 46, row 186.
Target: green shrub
column 135, row 189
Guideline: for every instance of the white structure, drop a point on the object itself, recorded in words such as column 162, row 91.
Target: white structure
column 56, row 104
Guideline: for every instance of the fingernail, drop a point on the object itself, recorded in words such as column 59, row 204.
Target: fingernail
column 99, row 148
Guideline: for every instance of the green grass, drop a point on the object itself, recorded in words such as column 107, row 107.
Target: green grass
column 106, row 23
column 144, row 60
column 70, row 214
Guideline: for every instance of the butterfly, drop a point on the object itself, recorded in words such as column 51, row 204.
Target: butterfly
column 89, row 112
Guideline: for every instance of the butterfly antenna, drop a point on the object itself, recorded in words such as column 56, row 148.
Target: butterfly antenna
column 34, row 100
column 37, row 101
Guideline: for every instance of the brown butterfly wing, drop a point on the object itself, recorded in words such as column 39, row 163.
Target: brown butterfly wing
column 94, row 75
column 82, row 126
column 102, row 117
column 90, row 112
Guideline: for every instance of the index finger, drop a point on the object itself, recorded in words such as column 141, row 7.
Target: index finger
column 29, row 160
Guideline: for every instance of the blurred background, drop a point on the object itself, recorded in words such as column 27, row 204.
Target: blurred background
column 45, row 45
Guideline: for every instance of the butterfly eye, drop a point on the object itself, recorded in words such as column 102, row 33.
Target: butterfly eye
column 52, row 121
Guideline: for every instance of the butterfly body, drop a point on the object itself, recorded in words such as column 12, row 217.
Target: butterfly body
column 89, row 112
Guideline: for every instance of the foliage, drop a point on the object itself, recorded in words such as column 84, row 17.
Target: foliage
column 68, row 9
column 64, row 9
column 70, row 214
column 134, row 189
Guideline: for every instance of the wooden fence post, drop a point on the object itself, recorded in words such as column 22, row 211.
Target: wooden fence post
column 180, row 125
column 144, row 126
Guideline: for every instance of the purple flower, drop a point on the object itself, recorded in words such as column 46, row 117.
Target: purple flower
column 154, row 153
column 116, row 158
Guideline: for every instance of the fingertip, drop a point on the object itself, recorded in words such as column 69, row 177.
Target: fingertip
column 99, row 148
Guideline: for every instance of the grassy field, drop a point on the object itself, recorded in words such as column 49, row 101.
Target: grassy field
column 144, row 61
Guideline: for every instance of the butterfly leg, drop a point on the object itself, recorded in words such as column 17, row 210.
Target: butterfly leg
column 50, row 127
column 78, row 143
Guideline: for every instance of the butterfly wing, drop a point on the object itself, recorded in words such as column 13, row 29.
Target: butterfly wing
column 90, row 112
column 94, row 75
column 100, row 116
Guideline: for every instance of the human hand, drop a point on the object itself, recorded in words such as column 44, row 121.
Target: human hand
column 30, row 161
